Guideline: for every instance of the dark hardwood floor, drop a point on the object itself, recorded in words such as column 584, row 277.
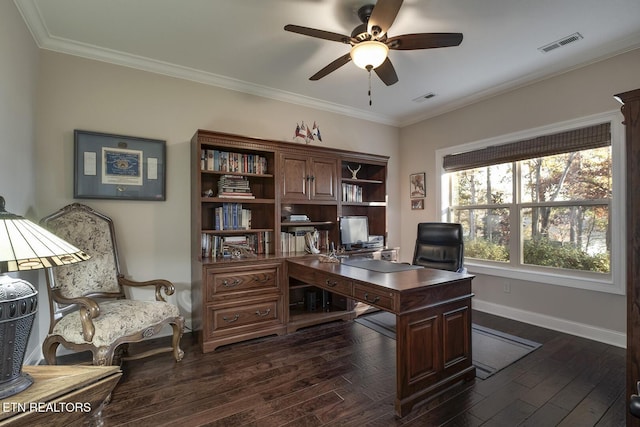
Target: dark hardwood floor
column 343, row 374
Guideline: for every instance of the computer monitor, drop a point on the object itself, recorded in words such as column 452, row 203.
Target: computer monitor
column 354, row 230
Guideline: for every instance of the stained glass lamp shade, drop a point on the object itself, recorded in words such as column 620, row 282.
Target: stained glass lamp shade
column 23, row 246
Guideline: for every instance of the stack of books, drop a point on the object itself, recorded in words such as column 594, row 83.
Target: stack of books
column 215, row 160
column 234, row 186
column 232, row 216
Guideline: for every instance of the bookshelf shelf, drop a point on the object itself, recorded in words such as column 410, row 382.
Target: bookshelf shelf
column 236, row 232
column 305, row 223
column 362, row 181
column 237, row 200
column 365, row 204
column 258, row 175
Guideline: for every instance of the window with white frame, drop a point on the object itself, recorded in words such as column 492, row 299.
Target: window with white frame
column 544, row 203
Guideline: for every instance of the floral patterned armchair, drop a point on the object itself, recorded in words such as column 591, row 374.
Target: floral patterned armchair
column 89, row 309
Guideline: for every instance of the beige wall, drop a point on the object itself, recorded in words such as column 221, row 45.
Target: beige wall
column 582, row 92
column 18, row 82
column 153, row 237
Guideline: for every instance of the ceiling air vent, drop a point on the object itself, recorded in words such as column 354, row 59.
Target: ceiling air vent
column 559, row 43
column 424, row 97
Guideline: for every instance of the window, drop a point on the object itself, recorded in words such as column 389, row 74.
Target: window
column 546, row 202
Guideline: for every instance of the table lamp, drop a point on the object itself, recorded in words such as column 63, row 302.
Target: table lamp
column 23, row 246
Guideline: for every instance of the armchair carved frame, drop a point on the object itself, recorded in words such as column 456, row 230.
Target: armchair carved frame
column 88, row 305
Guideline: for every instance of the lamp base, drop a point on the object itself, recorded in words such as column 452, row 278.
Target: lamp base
column 15, row 385
column 18, row 306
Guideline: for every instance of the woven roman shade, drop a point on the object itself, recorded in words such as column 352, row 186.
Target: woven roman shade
column 547, row 145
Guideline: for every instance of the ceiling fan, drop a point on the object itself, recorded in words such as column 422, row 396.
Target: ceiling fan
column 370, row 44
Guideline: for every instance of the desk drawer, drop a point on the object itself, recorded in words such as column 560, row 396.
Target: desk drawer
column 258, row 314
column 378, row 298
column 227, row 282
column 335, row 284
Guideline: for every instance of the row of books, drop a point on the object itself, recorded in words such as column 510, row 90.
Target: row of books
column 216, row 160
column 293, row 240
column 234, row 186
column 232, row 216
column 351, row 193
column 242, row 245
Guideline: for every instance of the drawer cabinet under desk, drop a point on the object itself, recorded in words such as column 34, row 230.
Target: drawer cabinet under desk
column 240, row 302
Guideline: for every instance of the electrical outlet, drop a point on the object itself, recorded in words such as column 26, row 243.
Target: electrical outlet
column 506, row 287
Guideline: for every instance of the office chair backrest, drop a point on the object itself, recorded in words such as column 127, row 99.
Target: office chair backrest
column 439, row 245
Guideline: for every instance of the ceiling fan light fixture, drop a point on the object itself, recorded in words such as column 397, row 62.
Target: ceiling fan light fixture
column 369, row 54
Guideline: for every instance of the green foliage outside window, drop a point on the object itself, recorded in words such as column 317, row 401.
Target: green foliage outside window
column 541, row 252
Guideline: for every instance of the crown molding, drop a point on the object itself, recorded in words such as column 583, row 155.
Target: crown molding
column 33, row 18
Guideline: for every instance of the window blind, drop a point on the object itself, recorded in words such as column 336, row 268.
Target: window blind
column 547, row 145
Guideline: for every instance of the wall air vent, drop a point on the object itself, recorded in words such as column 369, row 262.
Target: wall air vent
column 424, row 97
column 559, row 43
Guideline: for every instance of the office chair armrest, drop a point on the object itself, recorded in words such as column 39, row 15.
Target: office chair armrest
column 161, row 285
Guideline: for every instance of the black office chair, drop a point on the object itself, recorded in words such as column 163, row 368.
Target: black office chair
column 439, row 245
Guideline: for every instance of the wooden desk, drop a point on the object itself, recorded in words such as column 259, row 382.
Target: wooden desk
column 61, row 396
column 433, row 321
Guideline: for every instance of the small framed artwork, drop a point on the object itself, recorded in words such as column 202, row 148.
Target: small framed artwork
column 417, row 204
column 417, row 183
column 118, row 167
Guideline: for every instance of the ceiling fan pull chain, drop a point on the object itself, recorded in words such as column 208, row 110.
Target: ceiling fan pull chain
column 369, row 69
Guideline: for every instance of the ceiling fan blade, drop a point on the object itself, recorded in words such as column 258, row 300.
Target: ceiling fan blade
column 387, row 73
column 424, row 41
column 320, row 34
column 382, row 16
column 331, row 67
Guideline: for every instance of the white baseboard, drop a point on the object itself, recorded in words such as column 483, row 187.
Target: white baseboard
column 606, row 336
column 34, row 358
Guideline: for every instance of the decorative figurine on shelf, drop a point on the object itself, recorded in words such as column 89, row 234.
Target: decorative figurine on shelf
column 331, row 256
column 311, row 242
column 354, row 173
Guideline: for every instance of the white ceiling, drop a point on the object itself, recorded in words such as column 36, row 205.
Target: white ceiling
column 241, row 45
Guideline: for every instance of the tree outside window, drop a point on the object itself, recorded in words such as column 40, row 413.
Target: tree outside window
column 550, row 211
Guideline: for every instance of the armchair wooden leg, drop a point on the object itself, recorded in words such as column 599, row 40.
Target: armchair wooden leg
column 178, row 329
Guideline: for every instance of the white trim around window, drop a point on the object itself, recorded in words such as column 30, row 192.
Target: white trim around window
column 610, row 283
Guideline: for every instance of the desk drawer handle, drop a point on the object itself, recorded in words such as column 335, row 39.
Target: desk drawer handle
column 264, row 279
column 232, row 319
column 330, row 283
column 226, row 283
column 375, row 300
column 268, row 310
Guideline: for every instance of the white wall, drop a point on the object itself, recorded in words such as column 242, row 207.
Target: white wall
column 153, row 237
column 18, row 77
column 581, row 92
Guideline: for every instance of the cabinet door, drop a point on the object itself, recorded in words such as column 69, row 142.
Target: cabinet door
column 295, row 176
column 323, row 179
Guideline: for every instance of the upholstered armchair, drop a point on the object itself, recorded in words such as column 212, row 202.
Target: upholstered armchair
column 439, row 245
column 89, row 307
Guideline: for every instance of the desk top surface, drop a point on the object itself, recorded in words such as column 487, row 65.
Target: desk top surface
column 401, row 281
column 51, row 382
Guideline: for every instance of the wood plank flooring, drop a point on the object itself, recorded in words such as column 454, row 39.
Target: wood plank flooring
column 343, row 374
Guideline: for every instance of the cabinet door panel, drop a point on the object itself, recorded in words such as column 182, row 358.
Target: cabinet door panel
column 294, row 177
column 324, row 179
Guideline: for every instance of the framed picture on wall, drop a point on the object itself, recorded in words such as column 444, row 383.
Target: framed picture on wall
column 417, row 185
column 417, row 204
column 118, row 167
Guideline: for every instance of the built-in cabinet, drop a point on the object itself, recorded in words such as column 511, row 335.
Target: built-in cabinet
column 307, row 178
column 631, row 112
column 248, row 196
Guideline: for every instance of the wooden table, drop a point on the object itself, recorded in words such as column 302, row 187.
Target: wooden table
column 61, row 396
column 433, row 320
